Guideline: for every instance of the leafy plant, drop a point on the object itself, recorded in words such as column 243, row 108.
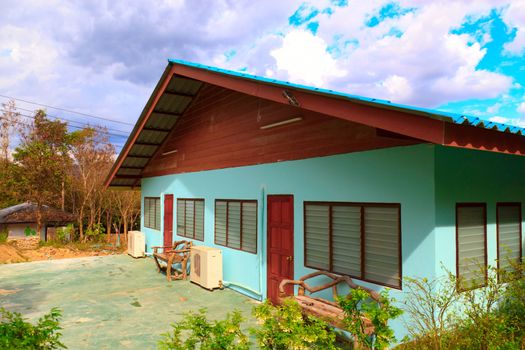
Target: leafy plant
column 3, row 235
column 65, row 234
column 17, row 333
column 95, row 231
column 196, row 332
column 284, row 327
column 359, row 309
column 29, row 231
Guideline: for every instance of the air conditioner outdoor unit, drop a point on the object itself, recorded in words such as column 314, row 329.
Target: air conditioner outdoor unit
column 136, row 244
column 206, row 267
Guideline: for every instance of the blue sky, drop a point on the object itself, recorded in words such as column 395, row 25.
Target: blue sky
column 104, row 57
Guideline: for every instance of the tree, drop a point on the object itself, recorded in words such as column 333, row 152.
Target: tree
column 9, row 120
column 42, row 162
column 9, row 126
column 127, row 204
column 93, row 156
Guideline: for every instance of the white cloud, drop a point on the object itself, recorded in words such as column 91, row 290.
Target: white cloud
column 499, row 119
column 105, row 57
column 521, row 108
column 398, row 88
column 305, row 59
column 514, row 17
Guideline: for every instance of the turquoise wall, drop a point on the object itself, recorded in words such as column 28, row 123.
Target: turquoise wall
column 473, row 176
column 399, row 175
column 427, row 180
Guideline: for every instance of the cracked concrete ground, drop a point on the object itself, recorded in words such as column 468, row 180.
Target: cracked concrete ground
column 110, row 302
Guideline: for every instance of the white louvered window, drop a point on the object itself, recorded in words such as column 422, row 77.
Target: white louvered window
column 190, row 218
column 236, row 224
column 509, row 235
column 471, row 228
column 356, row 239
column 152, row 212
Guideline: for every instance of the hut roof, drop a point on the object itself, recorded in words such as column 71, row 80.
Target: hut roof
column 26, row 213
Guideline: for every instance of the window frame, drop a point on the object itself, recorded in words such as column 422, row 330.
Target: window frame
column 520, row 218
column 362, row 206
column 155, row 199
column 240, row 201
column 203, row 219
column 471, row 205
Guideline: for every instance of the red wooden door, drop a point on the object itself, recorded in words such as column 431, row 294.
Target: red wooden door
column 168, row 219
column 280, row 243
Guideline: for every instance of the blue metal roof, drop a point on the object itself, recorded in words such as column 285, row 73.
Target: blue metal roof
column 455, row 118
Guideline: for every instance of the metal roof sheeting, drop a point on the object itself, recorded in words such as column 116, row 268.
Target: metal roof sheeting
column 426, row 112
column 172, row 103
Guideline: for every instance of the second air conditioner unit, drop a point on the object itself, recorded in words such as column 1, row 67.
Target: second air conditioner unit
column 136, row 244
column 206, row 266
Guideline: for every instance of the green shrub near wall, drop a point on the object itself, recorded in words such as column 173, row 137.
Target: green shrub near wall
column 18, row 334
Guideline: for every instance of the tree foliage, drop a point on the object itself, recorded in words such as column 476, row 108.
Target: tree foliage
column 64, row 169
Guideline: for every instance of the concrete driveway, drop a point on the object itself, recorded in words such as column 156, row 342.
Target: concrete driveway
column 110, row 302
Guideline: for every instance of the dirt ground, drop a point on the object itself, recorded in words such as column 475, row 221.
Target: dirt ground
column 11, row 254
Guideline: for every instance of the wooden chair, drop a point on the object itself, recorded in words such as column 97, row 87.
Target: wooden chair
column 178, row 253
column 324, row 309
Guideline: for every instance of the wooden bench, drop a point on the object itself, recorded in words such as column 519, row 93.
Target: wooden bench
column 178, row 253
column 324, row 309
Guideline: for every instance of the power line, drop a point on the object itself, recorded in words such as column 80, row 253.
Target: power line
column 68, row 120
column 73, row 126
column 66, row 110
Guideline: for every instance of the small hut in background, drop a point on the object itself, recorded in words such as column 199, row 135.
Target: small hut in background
column 22, row 218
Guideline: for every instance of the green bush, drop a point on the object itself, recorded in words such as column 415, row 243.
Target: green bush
column 358, row 306
column 95, row 231
column 65, row 234
column 284, row 327
column 17, row 333
column 196, row 332
column 3, row 235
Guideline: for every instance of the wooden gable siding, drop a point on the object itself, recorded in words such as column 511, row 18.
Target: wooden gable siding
column 222, row 129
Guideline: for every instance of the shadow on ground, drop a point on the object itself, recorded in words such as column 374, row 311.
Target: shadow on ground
column 112, row 301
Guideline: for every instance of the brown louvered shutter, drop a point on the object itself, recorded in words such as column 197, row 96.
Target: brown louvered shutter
column 234, row 225
column 381, row 258
column 199, row 220
column 317, row 222
column 146, row 212
column 249, row 226
column 189, row 218
column 471, row 245
column 509, row 235
column 181, row 213
column 346, row 240
column 157, row 213
column 220, row 222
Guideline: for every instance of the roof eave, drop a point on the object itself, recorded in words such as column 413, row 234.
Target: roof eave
column 166, row 75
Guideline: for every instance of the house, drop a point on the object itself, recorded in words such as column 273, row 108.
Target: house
column 287, row 179
column 18, row 218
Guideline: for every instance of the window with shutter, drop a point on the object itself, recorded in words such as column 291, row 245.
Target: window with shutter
column 236, row 224
column 362, row 240
column 508, row 219
column 190, row 218
column 152, row 212
column 471, row 245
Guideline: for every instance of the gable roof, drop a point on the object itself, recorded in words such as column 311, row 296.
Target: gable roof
column 181, row 81
column 26, row 213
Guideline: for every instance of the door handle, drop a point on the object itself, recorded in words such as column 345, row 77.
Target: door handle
column 289, row 258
